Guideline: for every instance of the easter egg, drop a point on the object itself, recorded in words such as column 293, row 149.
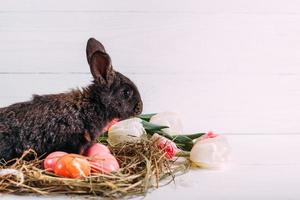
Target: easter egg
column 97, row 149
column 51, row 160
column 72, row 166
column 105, row 163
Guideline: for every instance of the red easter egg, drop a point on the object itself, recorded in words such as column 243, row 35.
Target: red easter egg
column 72, row 166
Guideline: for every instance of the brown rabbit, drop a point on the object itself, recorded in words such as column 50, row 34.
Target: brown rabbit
column 70, row 121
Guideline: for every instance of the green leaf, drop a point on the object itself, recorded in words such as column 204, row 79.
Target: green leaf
column 185, row 147
column 146, row 117
column 192, row 136
column 152, row 128
column 166, row 135
column 183, row 142
column 182, row 139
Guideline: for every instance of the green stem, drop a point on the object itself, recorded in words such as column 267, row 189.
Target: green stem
column 183, row 154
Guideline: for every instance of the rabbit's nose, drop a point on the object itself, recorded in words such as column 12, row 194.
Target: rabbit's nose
column 138, row 108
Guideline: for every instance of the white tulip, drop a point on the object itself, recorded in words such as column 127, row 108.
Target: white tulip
column 210, row 152
column 170, row 119
column 128, row 130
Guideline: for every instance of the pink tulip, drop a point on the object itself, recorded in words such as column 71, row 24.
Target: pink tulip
column 167, row 146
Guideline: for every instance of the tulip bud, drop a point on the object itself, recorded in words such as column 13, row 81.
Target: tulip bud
column 211, row 152
column 170, row 119
column 126, row 131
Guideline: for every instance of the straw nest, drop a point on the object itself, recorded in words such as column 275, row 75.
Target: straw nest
column 143, row 166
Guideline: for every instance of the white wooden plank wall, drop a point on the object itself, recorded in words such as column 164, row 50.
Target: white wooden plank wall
column 230, row 66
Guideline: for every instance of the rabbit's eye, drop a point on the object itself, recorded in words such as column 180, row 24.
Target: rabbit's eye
column 127, row 93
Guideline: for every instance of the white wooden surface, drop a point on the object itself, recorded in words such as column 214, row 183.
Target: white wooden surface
column 229, row 66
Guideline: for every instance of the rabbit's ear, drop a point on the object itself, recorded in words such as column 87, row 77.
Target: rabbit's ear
column 99, row 61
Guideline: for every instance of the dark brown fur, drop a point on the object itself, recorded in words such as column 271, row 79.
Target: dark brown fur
column 69, row 121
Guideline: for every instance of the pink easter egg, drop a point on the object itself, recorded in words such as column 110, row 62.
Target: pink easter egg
column 105, row 163
column 97, row 149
